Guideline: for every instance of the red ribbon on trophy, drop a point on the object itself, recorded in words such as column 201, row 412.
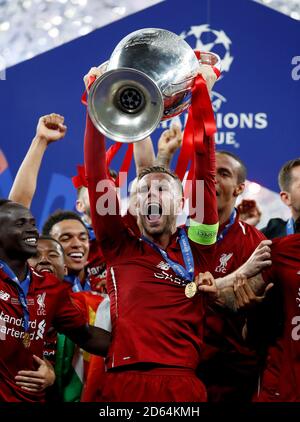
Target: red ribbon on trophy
column 200, row 122
column 80, row 179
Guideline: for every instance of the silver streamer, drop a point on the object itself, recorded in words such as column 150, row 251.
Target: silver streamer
column 31, row 27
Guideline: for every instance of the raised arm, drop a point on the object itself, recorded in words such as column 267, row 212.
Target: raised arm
column 144, row 155
column 105, row 213
column 203, row 202
column 50, row 129
column 169, row 142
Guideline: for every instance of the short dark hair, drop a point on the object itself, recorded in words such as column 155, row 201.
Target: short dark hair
column 45, row 237
column 160, row 169
column 242, row 173
column 57, row 217
column 285, row 174
column 113, row 174
column 7, row 204
column 4, row 202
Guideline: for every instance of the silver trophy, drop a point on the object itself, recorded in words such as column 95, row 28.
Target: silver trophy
column 148, row 78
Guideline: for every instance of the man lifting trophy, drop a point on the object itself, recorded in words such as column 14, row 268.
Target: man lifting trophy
column 148, row 78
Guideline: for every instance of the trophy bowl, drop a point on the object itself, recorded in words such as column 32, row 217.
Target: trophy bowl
column 148, row 78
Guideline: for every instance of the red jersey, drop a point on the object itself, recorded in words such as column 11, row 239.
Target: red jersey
column 235, row 248
column 229, row 367
column 152, row 319
column 281, row 377
column 96, row 266
column 49, row 305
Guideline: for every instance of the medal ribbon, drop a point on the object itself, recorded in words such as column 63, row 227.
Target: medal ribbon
column 227, row 227
column 290, row 229
column 90, row 229
column 22, row 288
column 76, row 285
column 184, row 273
column 200, row 122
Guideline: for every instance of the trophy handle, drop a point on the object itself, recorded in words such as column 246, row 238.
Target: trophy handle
column 212, row 59
column 103, row 67
column 209, row 58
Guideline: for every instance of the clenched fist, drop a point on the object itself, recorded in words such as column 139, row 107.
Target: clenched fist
column 170, row 141
column 51, row 128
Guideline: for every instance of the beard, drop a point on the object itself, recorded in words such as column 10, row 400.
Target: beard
column 165, row 227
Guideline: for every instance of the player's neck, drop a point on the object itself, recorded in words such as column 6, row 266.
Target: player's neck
column 295, row 215
column 225, row 213
column 162, row 240
column 79, row 274
column 18, row 267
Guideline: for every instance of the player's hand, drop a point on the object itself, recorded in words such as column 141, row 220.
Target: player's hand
column 208, row 75
column 245, row 297
column 35, row 381
column 170, row 141
column 94, row 72
column 207, row 285
column 51, row 128
column 260, row 259
column 249, row 212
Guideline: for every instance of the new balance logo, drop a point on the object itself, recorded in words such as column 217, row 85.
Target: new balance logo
column 163, row 266
column 4, row 296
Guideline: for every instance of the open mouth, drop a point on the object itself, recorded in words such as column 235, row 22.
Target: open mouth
column 31, row 241
column 47, row 270
column 154, row 212
column 76, row 256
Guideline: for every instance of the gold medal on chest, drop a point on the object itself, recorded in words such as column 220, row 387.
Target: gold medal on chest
column 190, row 289
column 26, row 340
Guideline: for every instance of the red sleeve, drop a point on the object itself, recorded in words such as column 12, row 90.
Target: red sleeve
column 205, row 169
column 106, row 219
column 269, row 274
column 67, row 316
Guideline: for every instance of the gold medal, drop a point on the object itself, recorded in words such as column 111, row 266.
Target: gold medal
column 190, row 289
column 26, row 340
